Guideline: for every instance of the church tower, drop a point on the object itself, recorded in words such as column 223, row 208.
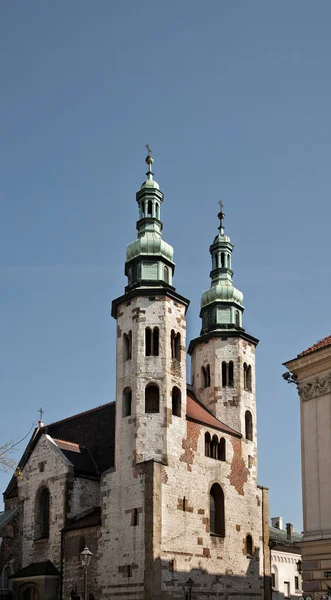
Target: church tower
column 151, row 340
column 223, row 356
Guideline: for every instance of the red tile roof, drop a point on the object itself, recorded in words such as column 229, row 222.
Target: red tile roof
column 318, row 346
column 197, row 412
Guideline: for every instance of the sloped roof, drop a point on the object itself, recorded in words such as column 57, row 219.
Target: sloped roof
column 6, row 516
column 36, row 569
column 324, row 343
column 80, row 457
column 196, row 411
column 92, row 518
column 93, row 429
column 279, row 536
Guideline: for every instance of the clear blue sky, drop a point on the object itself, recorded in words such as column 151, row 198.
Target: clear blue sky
column 234, row 100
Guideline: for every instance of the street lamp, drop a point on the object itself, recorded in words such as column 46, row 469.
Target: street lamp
column 85, row 557
column 189, row 585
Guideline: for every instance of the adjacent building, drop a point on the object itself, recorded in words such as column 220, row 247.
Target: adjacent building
column 286, row 564
column 161, row 485
column 311, row 371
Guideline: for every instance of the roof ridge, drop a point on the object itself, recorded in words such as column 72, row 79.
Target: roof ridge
column 85, row 412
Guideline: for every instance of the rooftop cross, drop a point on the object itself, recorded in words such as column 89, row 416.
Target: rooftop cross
column 221, row 216
column 149, row 160
column 40, row 422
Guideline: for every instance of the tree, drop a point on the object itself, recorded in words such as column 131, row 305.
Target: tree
column 7, row 463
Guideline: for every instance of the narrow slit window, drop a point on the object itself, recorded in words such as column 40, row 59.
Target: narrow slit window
column 224, row 374
column 217, row 516
column 127, row 402
column 176, row 401
column 207, row 444
column 230, row 383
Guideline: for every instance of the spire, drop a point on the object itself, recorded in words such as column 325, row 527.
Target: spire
column 221, row 304
column 149, row 259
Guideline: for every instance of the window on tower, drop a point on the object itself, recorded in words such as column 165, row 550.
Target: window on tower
column 216, row 512
column 151, row 341
column 127, row 402
column 237, row 318
column 247, row 377
column 222, row 260
column 175, row 345
column 227, row 374
column 152, row 398
column 221, row 450
column 149, row 209
column 166, row 274
column 127, row 346
column 207, row 444
column 176, row 401
column 248, row 425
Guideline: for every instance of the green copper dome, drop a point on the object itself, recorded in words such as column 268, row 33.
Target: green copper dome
column 222, row 291
column 149, row 259
column 150, row 243
column 221, row 304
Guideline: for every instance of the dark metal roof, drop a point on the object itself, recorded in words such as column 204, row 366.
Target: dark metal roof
column 279, row 536
column 46, row 568
column 90, row 519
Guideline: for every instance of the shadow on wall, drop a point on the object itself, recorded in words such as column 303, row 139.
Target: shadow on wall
column 200, row 584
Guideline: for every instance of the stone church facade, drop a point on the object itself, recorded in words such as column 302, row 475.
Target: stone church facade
column 161, row 485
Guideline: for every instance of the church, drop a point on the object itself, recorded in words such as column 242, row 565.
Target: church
column 158, row 490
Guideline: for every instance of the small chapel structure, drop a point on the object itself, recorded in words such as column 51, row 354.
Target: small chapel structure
column 160, row 485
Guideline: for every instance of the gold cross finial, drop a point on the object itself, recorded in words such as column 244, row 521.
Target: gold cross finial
column 221, row 205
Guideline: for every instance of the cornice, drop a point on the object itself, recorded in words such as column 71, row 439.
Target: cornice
column 317, row 387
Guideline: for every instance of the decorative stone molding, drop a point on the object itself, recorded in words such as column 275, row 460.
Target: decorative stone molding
column 318, row 387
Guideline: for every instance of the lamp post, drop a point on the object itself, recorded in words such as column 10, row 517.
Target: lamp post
column 189, row 585
column 85, row 557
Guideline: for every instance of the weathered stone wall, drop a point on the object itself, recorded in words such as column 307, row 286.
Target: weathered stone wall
column 152, row 435
column 70, row 496
column 214, row 563
column 73, row 575
column 54, row 477
column 83, row 494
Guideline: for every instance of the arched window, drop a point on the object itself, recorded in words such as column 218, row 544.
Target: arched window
column 221, row 450
column 207, row 444
column 216, row 513
column 230, row 382
column 176, row 401
column 249, row 545
column 177, row 346
column 5, row 576
column 224, row 374
column 127, row 346
column 222, row 260
column 166, row 274
column 126, row 402
column 249, row 378
column 42, row 514
column 148, row 341
column 237, row 318
column 30, row 593
column 149, row 208
column 152, row 398
column 248, row 425
column 152, row 341
column 203, row 377
column 214, row 446
column 155, row 344
column 216, row 261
